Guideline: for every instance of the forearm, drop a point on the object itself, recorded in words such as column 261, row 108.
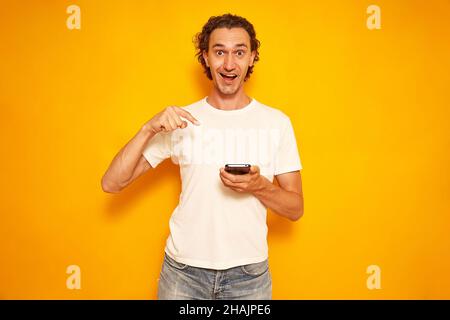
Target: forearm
column 124, row 163
column 285, row 203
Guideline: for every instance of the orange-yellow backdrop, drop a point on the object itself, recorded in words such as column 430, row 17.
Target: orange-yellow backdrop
column 370, row 110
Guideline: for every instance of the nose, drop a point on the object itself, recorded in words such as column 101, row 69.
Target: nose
column 228, row 63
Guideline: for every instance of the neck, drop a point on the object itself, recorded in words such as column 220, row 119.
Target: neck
column 228, row 102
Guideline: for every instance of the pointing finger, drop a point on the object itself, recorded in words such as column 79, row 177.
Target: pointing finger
column 186, row 114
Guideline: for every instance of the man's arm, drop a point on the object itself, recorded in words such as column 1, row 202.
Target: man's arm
column 129, row 163
column 286, row 199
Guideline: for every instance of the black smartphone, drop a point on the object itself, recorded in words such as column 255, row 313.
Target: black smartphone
column 237, row 168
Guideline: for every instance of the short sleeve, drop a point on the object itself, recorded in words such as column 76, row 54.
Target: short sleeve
column 158, row 148
column 287, row 158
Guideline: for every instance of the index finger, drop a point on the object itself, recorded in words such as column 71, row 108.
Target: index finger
column 187, row 115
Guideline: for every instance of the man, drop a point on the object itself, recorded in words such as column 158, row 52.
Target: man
column 217, row 247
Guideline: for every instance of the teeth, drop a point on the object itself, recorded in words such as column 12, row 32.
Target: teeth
column 229, row 75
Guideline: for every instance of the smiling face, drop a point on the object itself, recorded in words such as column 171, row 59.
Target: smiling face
column 229, row 56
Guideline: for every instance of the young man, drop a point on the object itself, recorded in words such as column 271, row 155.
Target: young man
column 217, row 247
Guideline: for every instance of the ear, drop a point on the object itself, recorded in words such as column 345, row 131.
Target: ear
column 205, row 57
column 252, row 58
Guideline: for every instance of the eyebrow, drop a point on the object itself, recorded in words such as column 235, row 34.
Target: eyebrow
column 222, row 45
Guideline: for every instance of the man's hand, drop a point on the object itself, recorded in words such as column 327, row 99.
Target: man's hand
column 170, row 119
column 249, row 182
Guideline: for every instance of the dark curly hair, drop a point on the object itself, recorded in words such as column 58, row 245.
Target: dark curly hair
column 201, row 39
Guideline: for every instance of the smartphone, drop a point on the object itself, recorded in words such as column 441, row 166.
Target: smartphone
column 237, row 168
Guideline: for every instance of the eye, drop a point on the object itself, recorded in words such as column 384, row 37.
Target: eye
column 219, row 52
column 240, row 53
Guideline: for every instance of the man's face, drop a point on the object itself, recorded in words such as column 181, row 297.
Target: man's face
column 229, row 57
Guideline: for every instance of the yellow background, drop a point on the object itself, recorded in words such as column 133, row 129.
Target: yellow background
column 370, row 111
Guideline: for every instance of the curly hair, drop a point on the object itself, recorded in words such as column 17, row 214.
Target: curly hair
column 201, row 39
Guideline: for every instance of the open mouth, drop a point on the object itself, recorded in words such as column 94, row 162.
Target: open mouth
column 228, row 77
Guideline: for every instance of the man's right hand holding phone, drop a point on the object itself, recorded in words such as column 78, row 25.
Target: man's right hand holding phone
column 249, row 182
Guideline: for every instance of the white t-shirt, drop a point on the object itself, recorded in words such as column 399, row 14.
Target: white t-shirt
column 214, row 226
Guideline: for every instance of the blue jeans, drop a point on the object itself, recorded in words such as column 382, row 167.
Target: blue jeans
column 179, row 281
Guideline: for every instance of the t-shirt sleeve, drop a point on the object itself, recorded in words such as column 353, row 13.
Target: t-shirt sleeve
column 158, row 148
column 287, row 158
